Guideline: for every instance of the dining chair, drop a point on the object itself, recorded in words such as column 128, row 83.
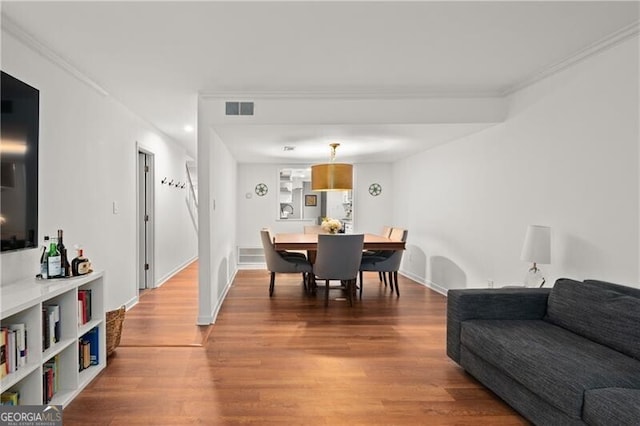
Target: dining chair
column 386, row 232
column 338, row 258
column 385, row 262
column 282, row 263
column 286, row 253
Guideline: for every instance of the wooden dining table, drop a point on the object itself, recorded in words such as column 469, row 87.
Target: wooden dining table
column 310, row 242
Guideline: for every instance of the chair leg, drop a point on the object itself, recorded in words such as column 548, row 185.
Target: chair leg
column 304, row 281
column 350, row 290
column 380, row 278
column 326, row 293
column 272, row 282
column 390, row 277
column 384, row 277
column 361, row 284
column 395, row 278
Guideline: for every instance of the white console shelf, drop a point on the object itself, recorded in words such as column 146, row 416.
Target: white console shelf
column 21, row 303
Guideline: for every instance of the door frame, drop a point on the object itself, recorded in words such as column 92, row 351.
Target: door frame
column 151, row 283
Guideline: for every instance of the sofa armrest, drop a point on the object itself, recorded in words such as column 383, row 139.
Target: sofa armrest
column 511, row 303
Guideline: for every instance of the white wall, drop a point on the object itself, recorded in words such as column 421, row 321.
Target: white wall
column 371, row 214
column 567, row 157
column 217, row 216
column 255, row 213
column 176, row 237
column 88, row 158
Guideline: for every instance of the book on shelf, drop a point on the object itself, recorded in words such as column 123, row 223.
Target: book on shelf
column 54, row 364
column 84, row 354
column 53, row 311
column 10, row 398
column 84, row 306
column 21, row 343
column 94, row 345
column 11, row 351
column 80, row 355
column 3, row 353
column 46, row 335
column 47, row 385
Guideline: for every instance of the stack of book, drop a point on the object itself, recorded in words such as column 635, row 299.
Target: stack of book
column 13, row 348
column 50, row 326
column 50, row 379
column 10, row 398
column 88, row 349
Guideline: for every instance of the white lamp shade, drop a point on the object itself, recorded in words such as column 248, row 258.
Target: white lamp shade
column 537, row 245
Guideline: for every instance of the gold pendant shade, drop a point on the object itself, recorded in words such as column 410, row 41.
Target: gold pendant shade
column 332, row 177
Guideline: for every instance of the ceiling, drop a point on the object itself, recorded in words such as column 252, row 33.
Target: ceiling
column 158, row 57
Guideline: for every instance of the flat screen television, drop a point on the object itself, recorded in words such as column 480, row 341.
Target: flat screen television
column 18, row 164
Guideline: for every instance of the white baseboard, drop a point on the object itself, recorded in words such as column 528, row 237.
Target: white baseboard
column 211, row 319
column 251, row 266
column 131, row 302
column 174, row 271
column 433, row 286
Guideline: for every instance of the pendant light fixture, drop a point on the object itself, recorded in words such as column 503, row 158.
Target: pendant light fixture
column 332, row 176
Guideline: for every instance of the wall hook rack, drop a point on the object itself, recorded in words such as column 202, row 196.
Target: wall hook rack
column 173, row 182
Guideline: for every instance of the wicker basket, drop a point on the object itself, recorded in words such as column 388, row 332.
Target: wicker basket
column 114, row 328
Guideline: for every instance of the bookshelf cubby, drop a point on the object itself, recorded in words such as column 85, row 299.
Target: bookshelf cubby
column 22, row 302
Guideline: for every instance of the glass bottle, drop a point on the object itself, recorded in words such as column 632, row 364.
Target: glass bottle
column 80, row 265
column 64, row 261
column 54, row 261
column 43, row 257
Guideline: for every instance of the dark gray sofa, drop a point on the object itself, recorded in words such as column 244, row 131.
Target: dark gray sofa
column 567, row 355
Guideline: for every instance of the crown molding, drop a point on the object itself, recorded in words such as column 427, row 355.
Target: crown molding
column 341, row 94
column 22, row 35
column 603, row 44
column 11, row 27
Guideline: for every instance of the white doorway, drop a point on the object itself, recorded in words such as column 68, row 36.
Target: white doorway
column 145, row 220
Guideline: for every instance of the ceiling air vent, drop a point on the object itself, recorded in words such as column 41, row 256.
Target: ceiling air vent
column 239, row 108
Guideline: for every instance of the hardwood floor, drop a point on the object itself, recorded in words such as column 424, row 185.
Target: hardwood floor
column 289, row 360
column 166, row 316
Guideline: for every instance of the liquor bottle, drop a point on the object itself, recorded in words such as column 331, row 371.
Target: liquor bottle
column 80, row 265
column 64, row 261
column 43, row 257
column 54, row 266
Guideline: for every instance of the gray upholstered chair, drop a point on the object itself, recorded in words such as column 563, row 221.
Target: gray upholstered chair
column 338, row 258
column 386, row 232
column 279, row 263
column 286, row 253
column 385, row 262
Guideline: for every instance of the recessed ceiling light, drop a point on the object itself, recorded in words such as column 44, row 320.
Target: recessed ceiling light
column 288, row 148
column 188, row 128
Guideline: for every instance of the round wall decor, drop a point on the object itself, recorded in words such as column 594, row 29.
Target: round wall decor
column 375, row 189
column 262, row 189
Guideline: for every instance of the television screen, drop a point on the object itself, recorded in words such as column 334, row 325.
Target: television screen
column 18, row 164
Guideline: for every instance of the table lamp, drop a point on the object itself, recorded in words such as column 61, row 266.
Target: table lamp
column 536, row 249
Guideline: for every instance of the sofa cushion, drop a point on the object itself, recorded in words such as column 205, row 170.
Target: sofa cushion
column 625, row 289
column 550, row 361
column 598, row 312
column 612, row 406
